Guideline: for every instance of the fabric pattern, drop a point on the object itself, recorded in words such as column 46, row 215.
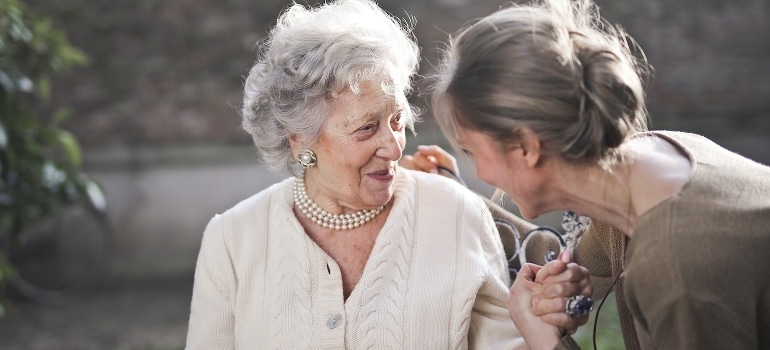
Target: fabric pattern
column 695, row 273
column 436, row 278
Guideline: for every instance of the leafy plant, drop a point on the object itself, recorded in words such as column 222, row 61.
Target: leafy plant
column 40, row 163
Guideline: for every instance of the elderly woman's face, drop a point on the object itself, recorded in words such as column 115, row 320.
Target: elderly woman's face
column 358, row 150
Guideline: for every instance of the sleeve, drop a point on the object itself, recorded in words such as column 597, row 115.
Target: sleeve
column 494, row 251
column 684, row 301
column 211, row 323
column 590, row 254
column 690, row 322
column 567, row 343
column 490, row 326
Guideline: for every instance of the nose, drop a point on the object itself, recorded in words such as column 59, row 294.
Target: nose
column 391, row 144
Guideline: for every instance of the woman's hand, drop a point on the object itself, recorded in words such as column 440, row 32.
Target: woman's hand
column 536, row 331
column 428, row 159
column 560, row 280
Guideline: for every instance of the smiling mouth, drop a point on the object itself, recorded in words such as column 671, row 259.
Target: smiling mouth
column 383, row 172
column 385, row 175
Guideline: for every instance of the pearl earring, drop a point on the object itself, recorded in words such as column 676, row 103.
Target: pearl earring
column 306, row 158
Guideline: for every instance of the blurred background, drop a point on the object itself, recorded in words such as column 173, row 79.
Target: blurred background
column 155, row 111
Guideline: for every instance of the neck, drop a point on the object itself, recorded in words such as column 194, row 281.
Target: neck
column 653, row 171
column 329, row 220
column 600, row 194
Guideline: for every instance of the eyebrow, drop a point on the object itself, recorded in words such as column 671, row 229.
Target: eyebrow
column 354, row 121
column 389, row 109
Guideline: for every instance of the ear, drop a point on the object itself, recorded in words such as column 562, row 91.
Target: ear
column 530, row 146
column 294, row 144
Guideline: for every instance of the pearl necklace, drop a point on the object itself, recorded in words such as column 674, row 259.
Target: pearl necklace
column 328, row 220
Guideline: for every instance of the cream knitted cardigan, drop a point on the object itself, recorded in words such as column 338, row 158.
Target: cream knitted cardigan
column 436, row 278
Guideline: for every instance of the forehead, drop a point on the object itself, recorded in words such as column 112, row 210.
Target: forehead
column 476, row 139
column 369, row 102
column 464, row 136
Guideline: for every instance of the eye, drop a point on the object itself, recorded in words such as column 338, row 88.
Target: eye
column 467, row 153
column 366, row 131
column 397, row 122
column 367, row 127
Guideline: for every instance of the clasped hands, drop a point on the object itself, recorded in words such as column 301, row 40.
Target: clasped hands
column 538, row 299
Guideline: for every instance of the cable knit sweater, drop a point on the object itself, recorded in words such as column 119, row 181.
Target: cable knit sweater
column 696, row 273
column 436, row 278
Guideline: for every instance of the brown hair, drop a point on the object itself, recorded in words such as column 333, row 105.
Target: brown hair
column 553, row 66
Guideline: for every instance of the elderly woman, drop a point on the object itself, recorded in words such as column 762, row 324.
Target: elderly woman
column 549, row 103
column 352, row 252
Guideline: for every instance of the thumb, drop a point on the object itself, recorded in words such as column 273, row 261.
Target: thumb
column 526, row 279
column 441, row 156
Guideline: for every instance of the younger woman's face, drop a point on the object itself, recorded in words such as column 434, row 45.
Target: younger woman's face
column 503, row 168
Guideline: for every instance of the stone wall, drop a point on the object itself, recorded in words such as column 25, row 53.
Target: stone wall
column 156, row 111
column 169, row 72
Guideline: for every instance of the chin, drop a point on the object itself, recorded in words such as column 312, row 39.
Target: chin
column 378, row 197
column 528, row 213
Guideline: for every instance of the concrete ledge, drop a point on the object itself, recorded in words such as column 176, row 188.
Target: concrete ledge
column 160, row 199
column 121, row 156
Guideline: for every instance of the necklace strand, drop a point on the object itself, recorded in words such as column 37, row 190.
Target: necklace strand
column 328, row 220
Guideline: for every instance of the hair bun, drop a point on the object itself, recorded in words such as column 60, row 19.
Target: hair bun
column 609, row 95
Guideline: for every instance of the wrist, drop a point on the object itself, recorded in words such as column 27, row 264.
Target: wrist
column 544, row 338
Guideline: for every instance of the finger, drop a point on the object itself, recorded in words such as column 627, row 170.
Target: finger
column 563, row 289
column 567, row 289
column 572, row 273
column 525, row 279
column 528, row 272
column 442, row 157
column 407, row 162
column 522, row 290
column 552, row 268
column 424, row 163
column 587, row 289
column 542, row 306
column 417, row 162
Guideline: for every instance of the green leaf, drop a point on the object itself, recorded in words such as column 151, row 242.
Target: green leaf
column 40, row 162
column 73, row 56
column 70, row 146
column 44, row 88
column 61, row 115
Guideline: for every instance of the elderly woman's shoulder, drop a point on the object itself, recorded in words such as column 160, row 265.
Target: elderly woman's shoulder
column 432, row 183
column 260, row 200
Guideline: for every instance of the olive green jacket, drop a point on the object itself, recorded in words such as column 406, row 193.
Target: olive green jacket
column 696, row 274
